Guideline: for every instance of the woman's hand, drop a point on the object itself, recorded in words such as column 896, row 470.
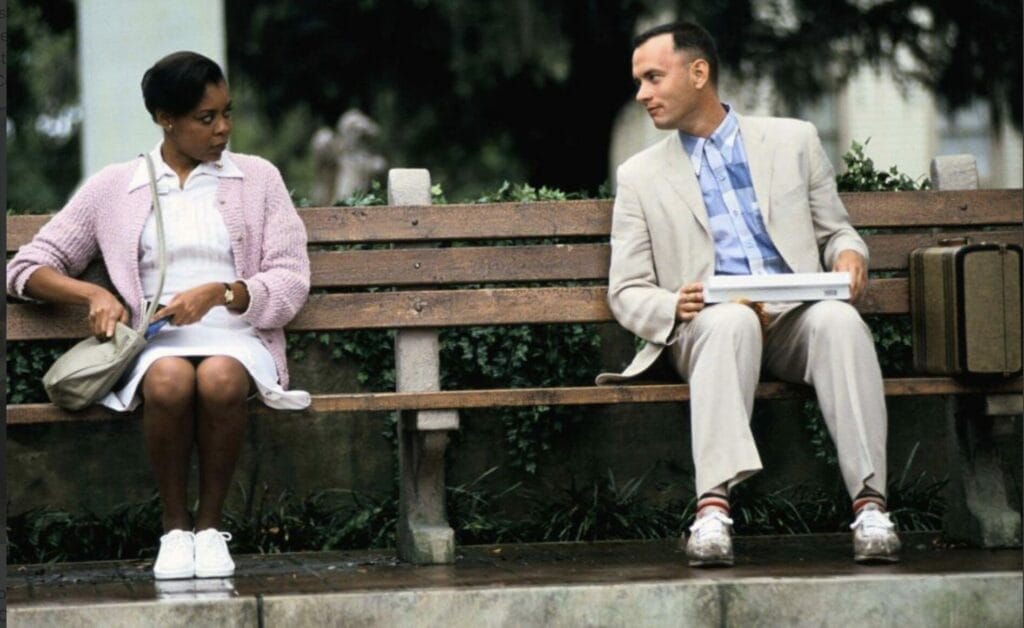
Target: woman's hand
column 104, row 313
column 192, row 305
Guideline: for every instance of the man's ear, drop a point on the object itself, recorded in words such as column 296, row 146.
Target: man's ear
column 700, row 73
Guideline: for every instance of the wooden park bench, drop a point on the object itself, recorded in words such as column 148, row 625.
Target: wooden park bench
column 416, row 287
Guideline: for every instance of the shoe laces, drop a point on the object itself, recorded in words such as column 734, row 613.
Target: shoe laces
column 873, row 522
column 209, row 538
column 176, row 539
column 712, row 523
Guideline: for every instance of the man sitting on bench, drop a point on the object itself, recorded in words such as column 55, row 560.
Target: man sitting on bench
column 735, row 195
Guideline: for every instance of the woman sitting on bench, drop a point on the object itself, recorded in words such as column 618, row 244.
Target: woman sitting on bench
column 236, row 272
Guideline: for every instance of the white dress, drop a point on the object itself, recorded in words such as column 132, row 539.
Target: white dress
column 198, row 250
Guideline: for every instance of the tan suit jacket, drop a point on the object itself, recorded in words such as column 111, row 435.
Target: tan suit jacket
column 660, row 236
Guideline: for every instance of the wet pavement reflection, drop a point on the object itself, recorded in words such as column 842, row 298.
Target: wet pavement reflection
column 494, row 565
column 195, row 589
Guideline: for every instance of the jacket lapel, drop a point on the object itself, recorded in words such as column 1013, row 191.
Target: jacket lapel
column 680, row 176
column 759, row 157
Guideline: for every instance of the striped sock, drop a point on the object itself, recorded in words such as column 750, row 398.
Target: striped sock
column 712, row 500
column 868, row 497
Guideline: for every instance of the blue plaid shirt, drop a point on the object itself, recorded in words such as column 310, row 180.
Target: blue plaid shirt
column 742, row 244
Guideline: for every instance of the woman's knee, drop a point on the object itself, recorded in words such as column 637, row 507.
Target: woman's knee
column 169, row 381
column 222, row 380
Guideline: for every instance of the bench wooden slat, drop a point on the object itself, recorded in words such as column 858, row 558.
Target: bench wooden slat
column 459, row 221
column 460, row 265
column 20, row 229
column 453, row 308
column 933, row 208
column 505, row 306
column 425, row 308
column 891, row 251
column 554, row 262
column 579, row 395
column 593, row 217
column 558, row 262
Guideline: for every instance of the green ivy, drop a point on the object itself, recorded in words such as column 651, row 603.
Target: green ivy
column 861, row 175
column 26, row 363
column 516, row 357
column 52, row 535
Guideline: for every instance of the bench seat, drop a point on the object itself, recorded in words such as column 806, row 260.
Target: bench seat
column 417, row 268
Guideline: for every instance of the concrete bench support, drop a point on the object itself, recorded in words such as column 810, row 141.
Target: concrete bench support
column 424, row 536
column 979, row 510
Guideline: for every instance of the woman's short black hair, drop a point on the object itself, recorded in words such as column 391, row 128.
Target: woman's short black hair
column 177, row 82
column 686, row 36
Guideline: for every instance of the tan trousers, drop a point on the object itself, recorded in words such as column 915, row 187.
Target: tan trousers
column 825, row 344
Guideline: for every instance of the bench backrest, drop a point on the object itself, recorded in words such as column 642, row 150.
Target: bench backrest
column 462, row 269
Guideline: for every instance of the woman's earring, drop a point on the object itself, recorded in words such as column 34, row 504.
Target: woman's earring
column 169, row 128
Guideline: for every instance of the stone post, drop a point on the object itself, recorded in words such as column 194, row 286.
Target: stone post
column 424, row 536
column 978, row 511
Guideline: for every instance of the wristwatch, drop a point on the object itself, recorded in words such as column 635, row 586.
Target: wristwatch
column 229, row 295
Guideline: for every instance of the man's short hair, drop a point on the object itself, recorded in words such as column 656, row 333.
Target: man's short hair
column 686, row 36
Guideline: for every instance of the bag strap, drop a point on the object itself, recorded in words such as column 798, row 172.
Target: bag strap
column 161, row 245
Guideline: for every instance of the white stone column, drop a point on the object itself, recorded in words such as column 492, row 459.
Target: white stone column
column 1007, row 168
column 118, row 40
column 900, row 122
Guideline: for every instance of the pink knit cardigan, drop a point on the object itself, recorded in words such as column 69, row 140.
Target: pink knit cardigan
column 268, row 240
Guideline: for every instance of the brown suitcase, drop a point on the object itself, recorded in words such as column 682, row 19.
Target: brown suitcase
column 965, row 303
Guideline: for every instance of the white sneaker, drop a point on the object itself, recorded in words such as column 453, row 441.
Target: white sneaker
column 874, row 537
column 710, row 541
column 176, row 558
column 212, row 557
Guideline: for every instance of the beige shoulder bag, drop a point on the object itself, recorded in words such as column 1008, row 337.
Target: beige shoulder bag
column 91, row 368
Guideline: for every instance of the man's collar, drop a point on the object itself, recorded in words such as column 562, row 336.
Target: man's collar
column 225, row 167
column 723, row 137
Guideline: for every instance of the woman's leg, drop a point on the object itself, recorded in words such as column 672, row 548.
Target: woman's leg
column 223, row 385
column 168, row 418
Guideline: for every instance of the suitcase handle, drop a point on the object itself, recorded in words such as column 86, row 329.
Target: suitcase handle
column 955, row 241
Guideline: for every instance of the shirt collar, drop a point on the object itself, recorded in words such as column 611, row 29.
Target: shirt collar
column 723, row 137
column 225, row 167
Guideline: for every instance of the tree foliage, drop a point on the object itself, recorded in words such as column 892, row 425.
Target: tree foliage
column 482, row 91
column 477, row 90
column 964, row 51
column 42, row 167
column 528, row 89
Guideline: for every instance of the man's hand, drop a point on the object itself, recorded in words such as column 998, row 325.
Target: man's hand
column 690, row 302
column 192, row 305
column 852, row 262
